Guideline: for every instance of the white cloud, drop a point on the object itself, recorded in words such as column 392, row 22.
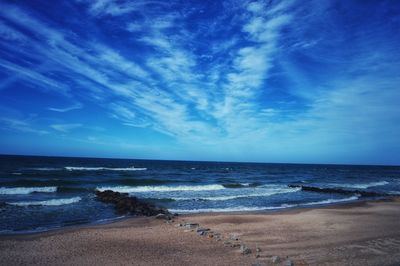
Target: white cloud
column 165, row 102
column 21, row 125
column 65, row 128
column 66, row 109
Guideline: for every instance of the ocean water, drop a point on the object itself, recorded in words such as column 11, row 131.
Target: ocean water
column 42, row 193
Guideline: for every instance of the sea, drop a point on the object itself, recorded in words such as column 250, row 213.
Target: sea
column 45, row 193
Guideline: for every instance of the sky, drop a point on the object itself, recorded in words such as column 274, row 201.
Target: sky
column 262, row 81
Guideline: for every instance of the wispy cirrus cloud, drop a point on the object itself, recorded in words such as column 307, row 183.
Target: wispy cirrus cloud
column 21, row 125
column 65, row 128
column 66, row 109
column 220, row 74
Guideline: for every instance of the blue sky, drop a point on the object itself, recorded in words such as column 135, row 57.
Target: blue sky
column 268, row 81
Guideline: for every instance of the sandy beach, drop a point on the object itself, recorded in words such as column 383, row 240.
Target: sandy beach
column 350, row 234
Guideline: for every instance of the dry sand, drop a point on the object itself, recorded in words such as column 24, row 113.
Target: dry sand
column 352, row 234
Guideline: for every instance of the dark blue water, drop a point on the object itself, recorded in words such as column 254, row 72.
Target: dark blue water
column 41, row 193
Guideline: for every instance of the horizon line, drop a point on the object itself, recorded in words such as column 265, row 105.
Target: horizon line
column 205, row 161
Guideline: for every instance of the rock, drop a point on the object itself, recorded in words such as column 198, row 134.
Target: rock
column 200, row 229
column 178, row 225
column 163, row 216
column 244, row 250
column 275, row 259
column 234, row 236
column 124, row 204
column 227, row 243
column 288, row 263
column 340, row 191
column 191, row 225
column 258, row 264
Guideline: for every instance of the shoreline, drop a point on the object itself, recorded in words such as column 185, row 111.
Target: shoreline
column 344, row 204
column 111, row 221
column 351, row 233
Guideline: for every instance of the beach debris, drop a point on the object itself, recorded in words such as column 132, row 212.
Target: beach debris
column 234, row 236
column 244, row 250
column 178, row 225
column 125, row 204
column 275, row 259
column 288, row 262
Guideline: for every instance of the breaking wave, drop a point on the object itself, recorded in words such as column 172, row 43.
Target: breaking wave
column 240, row 185
column 363, row 186
column 250, row 195
column 79, row 168
column 26, row 190
column 247, row 209
column 128, row 189
column 328, row 201
column 52, row 202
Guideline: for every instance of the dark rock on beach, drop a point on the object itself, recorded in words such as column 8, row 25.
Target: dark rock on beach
column 244, row 250
column 125, row 204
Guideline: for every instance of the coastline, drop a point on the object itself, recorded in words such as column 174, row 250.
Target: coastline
column 352, row 233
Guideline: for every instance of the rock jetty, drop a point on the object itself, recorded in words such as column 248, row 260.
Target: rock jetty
column 361, row 193
column 125, row 204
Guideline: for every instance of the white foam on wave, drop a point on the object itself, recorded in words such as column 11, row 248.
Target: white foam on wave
column 46, row 169
column 26, row 190
column 230, row 209
column 362, row 186
column 328, row 201
column 230, row 197
column 79, row 168
column 245, row 209
column 52, row 202
column 129, row 189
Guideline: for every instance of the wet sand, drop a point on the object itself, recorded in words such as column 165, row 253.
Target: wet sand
column 352, row 234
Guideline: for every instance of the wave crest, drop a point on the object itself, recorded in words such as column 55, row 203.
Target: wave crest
column 52, row 202
column 128, row 189
column 26, row 190
column 247, row 209
column 328, row 201
column 238, row 196
column 79, row 168
column 363, row 186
